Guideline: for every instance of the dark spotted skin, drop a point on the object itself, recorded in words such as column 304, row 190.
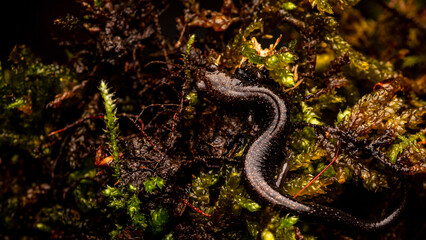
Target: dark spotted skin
column 261, row 156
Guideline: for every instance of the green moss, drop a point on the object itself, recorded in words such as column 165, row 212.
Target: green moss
column 373, row 180
column 153, row 183
column 98, row 3
column 116, row 231
column 404, row 142
column 233, row 196
column 168, row 237
column 111, row 125
column 27, row 85
column 322, row 5
column 361, row 66
column 276, row 61
column 280, row 228
column 343, row 115
column 292, row 186
column 288, row 6
column 20, row 102
column 185, row 56
column 85, row 192
column 133, row 210
column 200, row 193
column 327, row 5
column 159, row 218
column 50, row 217
column 192, row 98
column 126, row 199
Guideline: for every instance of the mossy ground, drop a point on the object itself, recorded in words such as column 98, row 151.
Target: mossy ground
column 147, row 156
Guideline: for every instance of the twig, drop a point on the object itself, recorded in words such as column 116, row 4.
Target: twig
column 74, row 124
column 290, row 19
column 196, row 209
column 319, row 174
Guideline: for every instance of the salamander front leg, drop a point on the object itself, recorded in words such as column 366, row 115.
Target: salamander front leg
column 282, row 174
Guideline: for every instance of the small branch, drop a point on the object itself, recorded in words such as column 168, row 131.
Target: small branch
column 290, row 19
column 196, row 209
column 315, row 178
column 74, row 124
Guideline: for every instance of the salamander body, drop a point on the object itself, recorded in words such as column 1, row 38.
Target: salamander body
column 263, row 155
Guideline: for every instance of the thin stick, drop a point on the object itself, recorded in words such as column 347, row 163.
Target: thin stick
column 315, row 178
column 74, row 124
column 196, row 209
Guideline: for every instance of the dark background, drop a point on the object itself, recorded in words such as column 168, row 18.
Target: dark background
column 30, row 23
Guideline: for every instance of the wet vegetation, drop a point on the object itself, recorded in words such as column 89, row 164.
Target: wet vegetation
column 115, row 141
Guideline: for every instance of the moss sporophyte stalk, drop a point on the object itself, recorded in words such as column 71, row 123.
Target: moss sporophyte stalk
column 126, row 198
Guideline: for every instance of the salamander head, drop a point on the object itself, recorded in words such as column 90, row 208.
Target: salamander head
column 216, row 82
column 204, row 78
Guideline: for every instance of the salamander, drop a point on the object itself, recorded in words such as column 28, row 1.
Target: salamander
column 263, row 155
